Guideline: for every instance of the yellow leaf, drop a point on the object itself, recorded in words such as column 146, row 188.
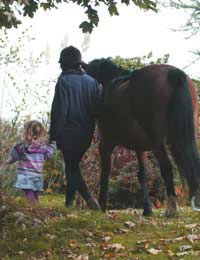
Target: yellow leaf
column 116, row 247
column 154, row 251
column 49, row 190
column 74, row 244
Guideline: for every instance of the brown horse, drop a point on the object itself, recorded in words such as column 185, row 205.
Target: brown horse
column 145, row 110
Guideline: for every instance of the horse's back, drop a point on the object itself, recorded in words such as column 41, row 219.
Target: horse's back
column 151, row 82
column 137, row 111
column 150, row 90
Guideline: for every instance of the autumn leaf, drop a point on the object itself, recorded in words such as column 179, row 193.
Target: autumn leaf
column 116, row 247
column 185, row 248
column 66, row 251
column 74, row 244
column 170, row 252
column 49, row 190
column 154, row 251
column 110, row 255
column 142, row 241
column 50, row 236
column 121, row 230
column 182, row 253
column 129, row 224
column 88, row 233
column 191, row 226
column 82, row 257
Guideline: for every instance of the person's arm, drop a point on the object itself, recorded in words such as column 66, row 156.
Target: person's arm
column 14, row 155
column 50, row 149
column 58, row 110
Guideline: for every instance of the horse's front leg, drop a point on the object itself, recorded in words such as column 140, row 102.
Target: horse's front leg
column 105, row 151
column 142, row 175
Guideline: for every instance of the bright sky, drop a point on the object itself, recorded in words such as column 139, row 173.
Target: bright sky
column 132, row 33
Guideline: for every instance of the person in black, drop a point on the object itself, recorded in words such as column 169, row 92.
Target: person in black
column 73, row 120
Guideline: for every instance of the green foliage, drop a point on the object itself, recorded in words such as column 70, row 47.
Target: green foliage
column 21, row 88
column 197, row 83
column 11, row 10
column 140, row 62
column 54, row 174
column 21, row 91
column 192, row 25
column 9, row 134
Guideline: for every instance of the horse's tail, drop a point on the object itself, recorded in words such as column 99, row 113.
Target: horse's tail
column 181, row 135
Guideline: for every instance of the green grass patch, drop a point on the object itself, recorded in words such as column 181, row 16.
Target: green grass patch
column 88, row 235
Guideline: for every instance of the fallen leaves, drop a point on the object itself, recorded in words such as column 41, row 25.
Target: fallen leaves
column 115, row 235
column 106, row 239
column 189, row 237
column 82, row 257
column 116, row 247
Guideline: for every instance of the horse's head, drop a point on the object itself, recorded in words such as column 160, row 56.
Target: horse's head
column 103, row 70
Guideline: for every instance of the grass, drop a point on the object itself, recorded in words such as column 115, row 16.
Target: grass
column 87, row 235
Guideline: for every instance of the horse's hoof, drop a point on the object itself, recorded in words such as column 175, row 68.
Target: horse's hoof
column 171, row 207
column 103, row 210
column 194, row 204
column 103, row 207
column 102, row 204
column 197, row 198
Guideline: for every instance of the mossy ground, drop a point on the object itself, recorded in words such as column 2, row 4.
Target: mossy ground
column 87, row 235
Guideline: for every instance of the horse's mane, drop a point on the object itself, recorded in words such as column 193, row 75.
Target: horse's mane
column 111, row 75
column 106, row 71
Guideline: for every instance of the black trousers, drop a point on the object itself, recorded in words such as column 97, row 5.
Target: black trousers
column 75, row 181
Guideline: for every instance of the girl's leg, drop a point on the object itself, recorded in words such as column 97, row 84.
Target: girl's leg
column 29, row 194
column 36, row 195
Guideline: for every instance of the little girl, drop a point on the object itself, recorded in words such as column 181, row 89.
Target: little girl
column 31, row 154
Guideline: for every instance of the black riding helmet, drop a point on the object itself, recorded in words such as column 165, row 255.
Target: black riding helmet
column 70, row 58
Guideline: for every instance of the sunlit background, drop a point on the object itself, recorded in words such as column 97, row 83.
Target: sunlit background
column 132, row 33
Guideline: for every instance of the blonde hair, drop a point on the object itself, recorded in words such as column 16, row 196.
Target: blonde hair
column 34, row 131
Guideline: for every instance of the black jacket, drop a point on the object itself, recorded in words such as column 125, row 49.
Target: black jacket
column 73, row 111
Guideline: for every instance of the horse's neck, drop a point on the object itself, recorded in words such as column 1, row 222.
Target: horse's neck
column 120, row 79
column 113, row 81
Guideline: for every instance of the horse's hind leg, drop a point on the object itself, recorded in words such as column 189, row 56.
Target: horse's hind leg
column 105, row 151
column 142, row 175
column 167, row 174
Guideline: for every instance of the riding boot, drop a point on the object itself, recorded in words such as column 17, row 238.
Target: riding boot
column 93, row 204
